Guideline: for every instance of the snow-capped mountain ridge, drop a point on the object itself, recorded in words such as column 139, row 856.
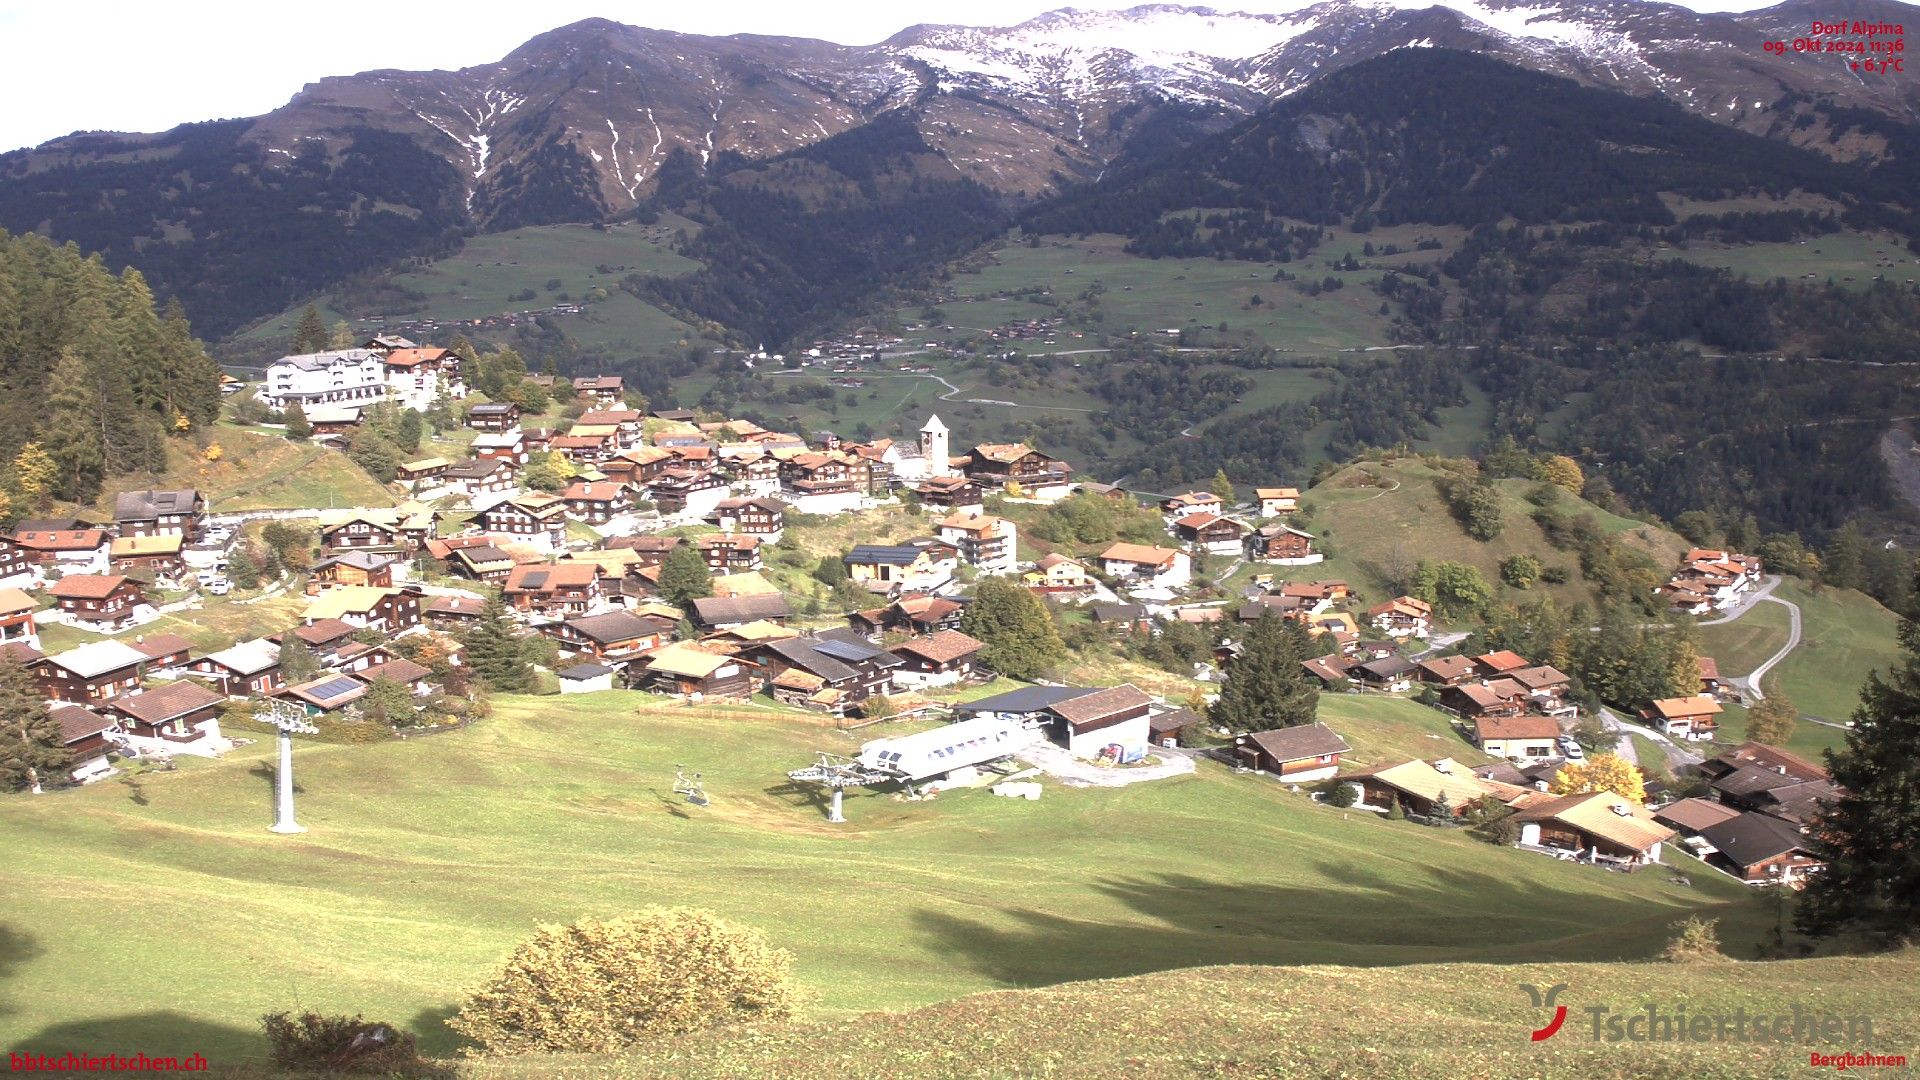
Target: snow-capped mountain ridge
column 582, row 119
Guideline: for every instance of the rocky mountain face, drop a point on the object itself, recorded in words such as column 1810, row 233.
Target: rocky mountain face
column 579, row 123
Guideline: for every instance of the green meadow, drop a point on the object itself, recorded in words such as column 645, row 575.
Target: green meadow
column 155, row 911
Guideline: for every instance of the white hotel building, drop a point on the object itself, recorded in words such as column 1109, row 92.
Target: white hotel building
column 342, row 376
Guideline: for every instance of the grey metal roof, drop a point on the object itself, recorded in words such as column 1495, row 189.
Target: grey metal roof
column 1027, row 699
column 890, row 554
column 583, row 672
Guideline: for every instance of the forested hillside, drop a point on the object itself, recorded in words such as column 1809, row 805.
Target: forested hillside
column 798, row 242
column 230, row 231
column 1444, row 137
column 93, row 374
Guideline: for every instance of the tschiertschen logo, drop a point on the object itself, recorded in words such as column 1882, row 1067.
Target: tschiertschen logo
column 1546, row 1001
column 1704, row 1021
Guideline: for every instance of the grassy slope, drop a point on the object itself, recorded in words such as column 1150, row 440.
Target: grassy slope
column 1839, row 256
column 1743, row 644
column 141, row 914
column 260, row 472
column 1843, row 636
column 1371, row 510
column 478, row 280
column 1149, row 295
column 1425, row 1022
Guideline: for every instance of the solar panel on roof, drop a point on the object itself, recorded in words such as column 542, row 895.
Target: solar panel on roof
column 536, row 580
column 845, row 650
column 334, row 688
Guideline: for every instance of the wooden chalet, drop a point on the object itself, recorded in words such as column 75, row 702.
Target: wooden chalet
column 17, row 623
column 363, row 532
column 422, row 471
column 678, row 490
column 480, row 476
column 508, row 447
column 365, row 607
column 606, row 391
column 729, row 553
column 597, row 502
column 481, row 562
column 1281, row 544
column 245, row 669
column 616, row 637
column 157, row 512
column 537, row 519
column 1447, row 670
column 726, row 612
column 181, row 716
column 1209, row 532
column 1190, row 503
column 1298, row 755
column 951, row 494
column 351, row 567
column 553, row 589
column 95, row 672
column 1683, row 718
column 1485, row 698
column 493, row 416
column 1403, row 617
column 164, row 652
column 1761, row 849
column 942, row 658
column 912, row 613
column 452, row 612
column 85, row 735
column 758, row 517
column 1017, row 466
column 1056, row 574
column 691, row 671
column 834, row 671
column 1599, row 827
column 101, row 602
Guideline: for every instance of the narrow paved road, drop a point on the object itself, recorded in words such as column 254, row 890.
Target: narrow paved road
column 1678, row 757
column 1750, row 683
column 952, row 390
column 1746, row 603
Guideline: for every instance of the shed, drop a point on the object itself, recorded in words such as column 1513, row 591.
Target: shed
column 586, row 678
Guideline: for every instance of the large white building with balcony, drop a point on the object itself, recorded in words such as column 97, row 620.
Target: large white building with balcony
column 342, row 376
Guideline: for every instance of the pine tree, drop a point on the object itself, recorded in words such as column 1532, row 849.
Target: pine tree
column 243, row 569
column 31, row 750
column 297, row 662
column 388, row 702
column 1870, row 836
column 1018, row 633
column 1772, row 719
column 684, row 576
column 1266, row 687
column 830, row 571
column 311, row 334
column 373, row 453
column 494, row 651
column 408, row 432
column 74, row 438
column 298, row 429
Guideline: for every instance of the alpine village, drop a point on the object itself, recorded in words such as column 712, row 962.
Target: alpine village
column 1263, row 593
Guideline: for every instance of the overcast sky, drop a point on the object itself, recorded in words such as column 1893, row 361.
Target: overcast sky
column 141, row 66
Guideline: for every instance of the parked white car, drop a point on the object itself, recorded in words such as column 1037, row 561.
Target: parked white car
column 219, row 586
